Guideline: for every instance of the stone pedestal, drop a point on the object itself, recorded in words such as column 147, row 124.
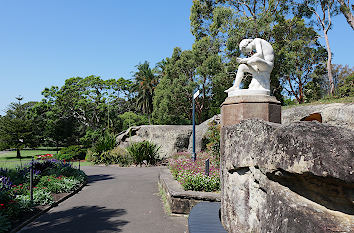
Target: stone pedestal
column 238, row 108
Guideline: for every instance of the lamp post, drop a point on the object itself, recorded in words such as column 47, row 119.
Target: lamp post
column 195, row 95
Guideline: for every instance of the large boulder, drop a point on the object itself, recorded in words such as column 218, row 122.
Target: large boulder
column 295, row 177
column 170, row 138
column 339, row 114
column 200, row 134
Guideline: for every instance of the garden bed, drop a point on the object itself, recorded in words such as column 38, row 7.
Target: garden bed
column 53, row 182
column 179, row 200
column 27, row 217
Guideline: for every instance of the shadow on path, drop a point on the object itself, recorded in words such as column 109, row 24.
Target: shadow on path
column 80, row 219
column 100, row 177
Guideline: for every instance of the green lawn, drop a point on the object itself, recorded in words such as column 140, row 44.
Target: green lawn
column 9, row 160
column 25, row 154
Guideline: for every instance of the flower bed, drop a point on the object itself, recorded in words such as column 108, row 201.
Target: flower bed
column 191, row 175
column 45, row 156
column 50, row 178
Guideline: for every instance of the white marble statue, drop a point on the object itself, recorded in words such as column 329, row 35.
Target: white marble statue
column 260, row 65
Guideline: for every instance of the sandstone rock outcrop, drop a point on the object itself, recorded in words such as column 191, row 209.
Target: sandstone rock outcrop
column 338, row 114
column 170, row 138
column 295, row 177
column 200, row 134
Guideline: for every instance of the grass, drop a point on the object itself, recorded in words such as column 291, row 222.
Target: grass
column 25, row 154
column 17, row 163
column 327, row 100
column 163, row 195
column 14, row 163
column 83, row 163
column 9, row 160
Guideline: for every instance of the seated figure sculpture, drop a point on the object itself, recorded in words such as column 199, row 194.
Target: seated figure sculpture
column 260, row 65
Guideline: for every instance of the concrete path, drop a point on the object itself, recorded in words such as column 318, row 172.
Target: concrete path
column 115, row 200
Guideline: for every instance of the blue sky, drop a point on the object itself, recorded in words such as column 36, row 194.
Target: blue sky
column 42, row 43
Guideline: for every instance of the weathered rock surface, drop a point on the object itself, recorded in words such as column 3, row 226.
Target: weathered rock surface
column 338, row 114
column 170, row 138
column 287, row 178
column 200, row 134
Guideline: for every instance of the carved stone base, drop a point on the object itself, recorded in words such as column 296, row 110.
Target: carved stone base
column 238, row 108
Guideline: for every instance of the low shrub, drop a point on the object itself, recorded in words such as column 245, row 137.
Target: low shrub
column 144, row 151
column 105, row 143
column 51, row 176
column 190, row 174
column 213, row 139
column 199, row 181
column 69, row 153
column 8, row 206
column 42, row 197
column 346, row 89
column 59, row 184
column 117, row 155
column 5, row 224
column 24, row 201
column 90, row 155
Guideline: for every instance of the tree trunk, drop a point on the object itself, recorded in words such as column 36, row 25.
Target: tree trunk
column 18, row 153
column 346, row 12
column 329, row 65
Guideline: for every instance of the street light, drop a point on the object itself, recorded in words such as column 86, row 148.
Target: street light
column 195, row 95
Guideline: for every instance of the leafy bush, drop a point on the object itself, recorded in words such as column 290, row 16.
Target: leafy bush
column 213, row 139
column 24, row 201
column 117, row 155
column 90, row 136
column 90, row 155
column 5, row 224
column 42, row 197
column 59, row 184
column 199, row 182
column 7, row 204
column 190, row 174
column 144, row 150
column 52, row 176
column 346, row 89
column 132, row 119
column 105, row 143
column 71, row 153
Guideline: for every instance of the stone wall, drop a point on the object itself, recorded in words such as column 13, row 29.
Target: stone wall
column 287, row 178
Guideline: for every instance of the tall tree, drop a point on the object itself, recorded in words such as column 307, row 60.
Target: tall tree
column 17, row 129
column 300, row 52
column 322, row 11
column 227, row 22
column 173, row 95
column 85, row 106
column 145, row 83
column 345, row 9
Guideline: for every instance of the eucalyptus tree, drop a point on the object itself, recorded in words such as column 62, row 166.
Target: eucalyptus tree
column 321, row 12
column 345, row 6
column 227, row 22
column 301, row 54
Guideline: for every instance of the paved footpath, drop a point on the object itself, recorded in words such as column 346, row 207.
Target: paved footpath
column 114, row 200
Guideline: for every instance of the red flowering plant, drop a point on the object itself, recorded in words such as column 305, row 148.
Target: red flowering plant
column 191, row 174
column 43, row 157
column 8, row 205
